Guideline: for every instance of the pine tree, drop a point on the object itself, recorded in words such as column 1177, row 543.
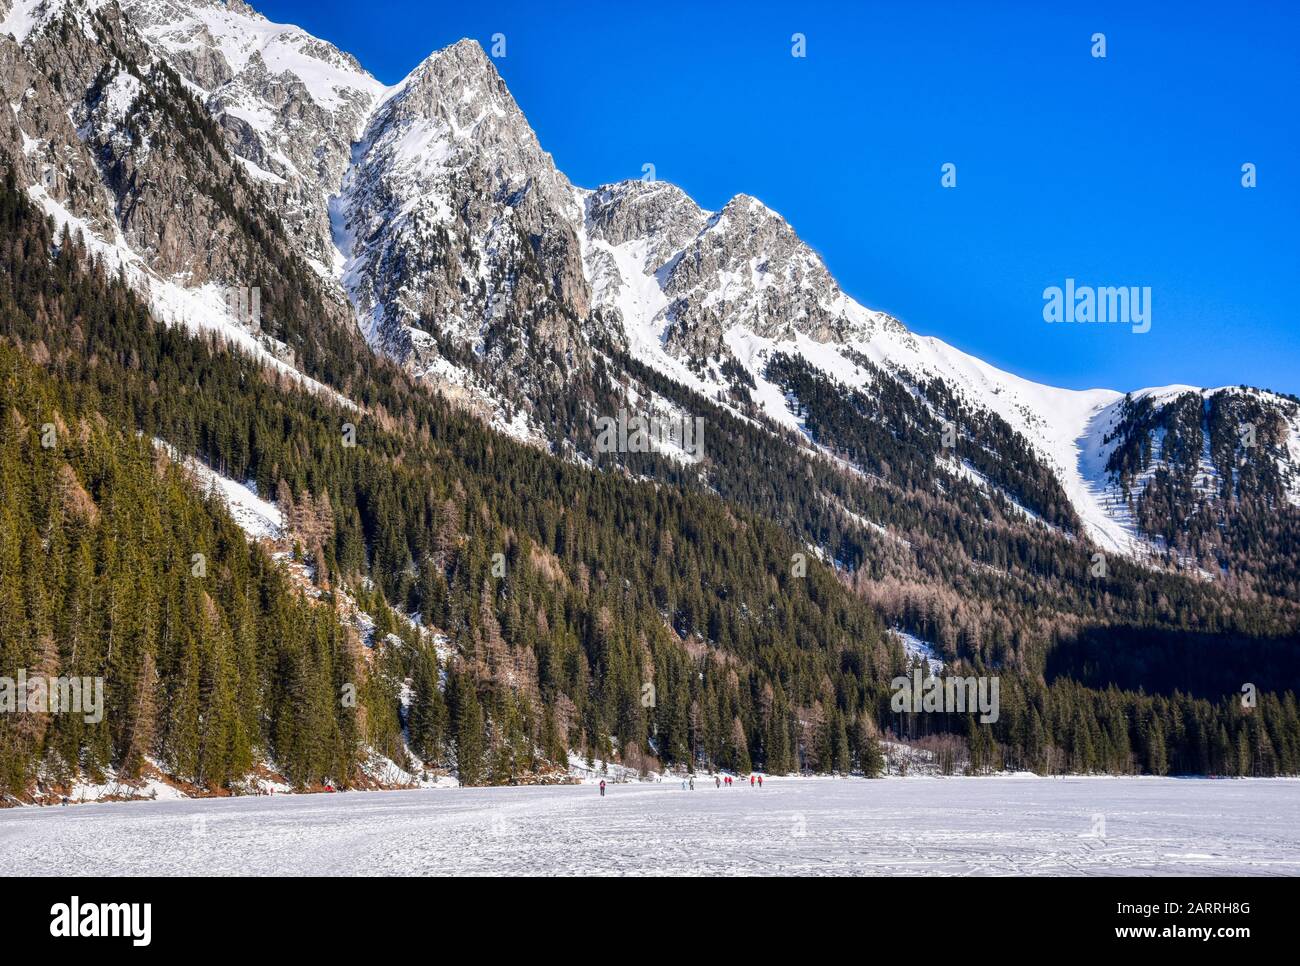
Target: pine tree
column 140, row 736
column 467, row 729
column 1156, row 753
column 427, row 717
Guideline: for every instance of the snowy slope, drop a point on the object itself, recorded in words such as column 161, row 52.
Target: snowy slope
column 1061, row 424
column 1064, row 426
column 204, row 309
column 692, row 287
column 915, row 648
column 258, row 518
column 23, row 17
column 242, row 36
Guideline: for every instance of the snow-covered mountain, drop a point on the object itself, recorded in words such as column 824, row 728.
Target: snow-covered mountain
column 454, row 222
column 290, row 105
column 431, row 214
column 694, row 289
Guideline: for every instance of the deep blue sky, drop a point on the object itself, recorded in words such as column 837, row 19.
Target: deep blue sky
column 1123, row 171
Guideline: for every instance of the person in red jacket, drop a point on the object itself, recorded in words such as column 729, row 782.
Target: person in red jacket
column 602, row 788
column 760, row 781
column 751, row 781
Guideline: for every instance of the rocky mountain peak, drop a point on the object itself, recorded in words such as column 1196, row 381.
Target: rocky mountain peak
column 465, row 253
column 290, row 104
column 458, row 106
column 464, row 66
column 455, row 224
column 658, row 215
column 749, row 268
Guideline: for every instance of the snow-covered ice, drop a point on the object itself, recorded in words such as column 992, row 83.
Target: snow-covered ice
column 820, row 826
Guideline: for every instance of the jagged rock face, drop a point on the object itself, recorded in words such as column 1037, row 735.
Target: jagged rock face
column 39, row 134
column 291, row 105
column 457, row 223
column 749, row 268
column 743, row 266
column 108, row 141
column 657, row 213
column 111, row 142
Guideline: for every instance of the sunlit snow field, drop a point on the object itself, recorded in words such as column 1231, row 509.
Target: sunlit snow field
column 982, row 826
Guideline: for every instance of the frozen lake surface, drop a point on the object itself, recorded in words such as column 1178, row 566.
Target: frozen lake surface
column 959, row 826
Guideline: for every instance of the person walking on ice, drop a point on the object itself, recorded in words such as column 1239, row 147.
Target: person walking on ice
column 760, row 781
column 602, row 788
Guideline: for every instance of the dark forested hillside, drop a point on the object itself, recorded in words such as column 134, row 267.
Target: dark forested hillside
column 1204, row 476
column 113, row 565
column 993, row 589
column 604, row 585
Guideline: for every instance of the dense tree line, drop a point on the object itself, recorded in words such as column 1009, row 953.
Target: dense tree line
column 557, row 608
column 1066, row 727
column 113, row 566
column 604, row 583
column 949, row 560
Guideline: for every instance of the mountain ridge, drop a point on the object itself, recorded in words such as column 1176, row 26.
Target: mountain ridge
column 728, row 290
column 526, row 280
column 854, row 476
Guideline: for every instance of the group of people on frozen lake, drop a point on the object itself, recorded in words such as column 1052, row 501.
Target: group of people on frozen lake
column 718, row 782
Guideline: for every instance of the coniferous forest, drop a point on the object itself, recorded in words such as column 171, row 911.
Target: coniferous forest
column 518, row 605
